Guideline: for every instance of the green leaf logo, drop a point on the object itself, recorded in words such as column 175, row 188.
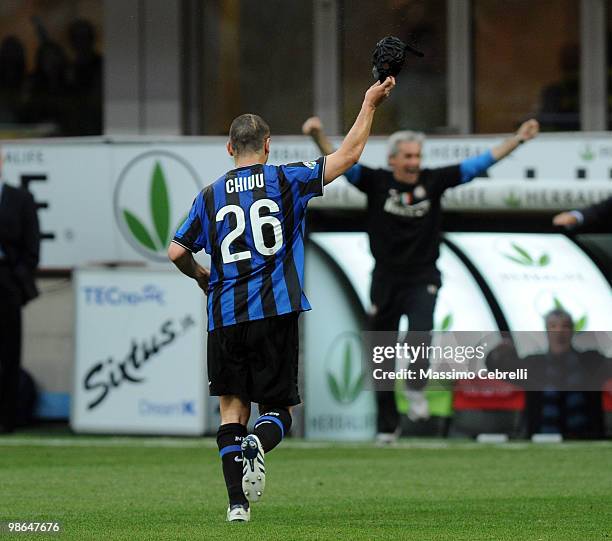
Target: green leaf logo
column 512, row 201
column 345, row 387
column 587, row 154
column 580, row 324
column 152, row 190
column 138, row 230
column 159, row 205
column 446, row 323
column 523, row 257
column 334, row 387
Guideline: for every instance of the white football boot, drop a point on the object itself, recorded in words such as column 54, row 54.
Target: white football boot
column 238, row 513
column 387, row 438
column 418, row 407
column 253, row 468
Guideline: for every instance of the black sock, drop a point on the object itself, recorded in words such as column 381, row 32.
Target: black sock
column 229, row 438
column 272, row 426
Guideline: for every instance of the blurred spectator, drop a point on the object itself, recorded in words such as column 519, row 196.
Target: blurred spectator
column 47, row 95
column 426, row 84
column 575, row 413
column 85, row 81
column 62, row 93
column 12, row 79
column 19, row 250
column 597, row 217
column 559, row 103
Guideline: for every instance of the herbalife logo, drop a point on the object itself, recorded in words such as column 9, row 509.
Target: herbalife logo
column 445, row 324
column 521, row 256
column 580, row 323
column 547, row 300
column 512, row 201
column 345, row 377
column 152, row 196
column 587, row 154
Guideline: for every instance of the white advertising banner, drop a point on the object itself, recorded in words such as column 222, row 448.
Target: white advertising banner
column 120, row 200
column 336, row 405
column 530, row 274
column 460, row 305
column 112, row 203
column 71, row 182
column 525, row 195
column 139, row 355
column 551, row 156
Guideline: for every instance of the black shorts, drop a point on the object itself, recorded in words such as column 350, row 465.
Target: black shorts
column 256, row 360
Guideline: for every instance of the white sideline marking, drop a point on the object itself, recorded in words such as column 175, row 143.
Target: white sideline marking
column 106, row 442
column 206, row 443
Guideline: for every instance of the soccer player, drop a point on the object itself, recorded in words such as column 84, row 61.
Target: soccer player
column 403, row 221
column 251, row 222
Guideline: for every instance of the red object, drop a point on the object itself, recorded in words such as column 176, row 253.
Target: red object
column 486, row 394
column 607, row 395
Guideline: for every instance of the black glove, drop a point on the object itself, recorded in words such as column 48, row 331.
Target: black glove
column 389, row 57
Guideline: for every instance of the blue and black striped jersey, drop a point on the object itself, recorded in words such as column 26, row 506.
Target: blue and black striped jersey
column 251, row 222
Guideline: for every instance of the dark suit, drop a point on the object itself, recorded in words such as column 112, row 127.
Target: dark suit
column 547, row 370
column 598, row 217
column 19, row 242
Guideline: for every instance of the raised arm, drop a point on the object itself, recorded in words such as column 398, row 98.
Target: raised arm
column 527, row 131
column 476, row 165
column 351, row 148
column 313, row 127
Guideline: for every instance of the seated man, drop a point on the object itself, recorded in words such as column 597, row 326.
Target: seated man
column 558, row 401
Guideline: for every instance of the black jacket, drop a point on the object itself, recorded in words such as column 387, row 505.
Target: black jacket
column 20, row 238
column 594, row 368
column 598, row 217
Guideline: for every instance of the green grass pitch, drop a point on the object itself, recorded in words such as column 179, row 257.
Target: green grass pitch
column 146, row 488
